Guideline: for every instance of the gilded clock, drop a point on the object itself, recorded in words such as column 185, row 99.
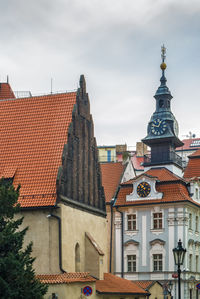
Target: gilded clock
column 143, row 189
column 158, row 126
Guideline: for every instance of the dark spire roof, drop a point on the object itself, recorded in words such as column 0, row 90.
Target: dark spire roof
column 163, row 89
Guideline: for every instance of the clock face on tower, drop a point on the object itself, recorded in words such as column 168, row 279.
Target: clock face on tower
column 158, row 126
column 143, row 189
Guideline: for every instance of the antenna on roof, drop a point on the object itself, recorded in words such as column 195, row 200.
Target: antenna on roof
column 7, row 79
column 51, row 85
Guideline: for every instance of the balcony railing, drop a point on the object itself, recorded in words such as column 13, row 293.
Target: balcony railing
column 164, row 157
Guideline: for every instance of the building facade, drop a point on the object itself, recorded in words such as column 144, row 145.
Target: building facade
column 159, row 207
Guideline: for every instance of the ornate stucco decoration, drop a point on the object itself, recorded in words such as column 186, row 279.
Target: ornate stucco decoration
column 154, row 194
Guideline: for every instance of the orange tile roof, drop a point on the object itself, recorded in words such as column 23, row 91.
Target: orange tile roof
column 187, row 144
column 195, row 154
column 33, row 132
column 162, row 174
column 114, row 284
column 145, row 284
column 66, row 278
column 111, row 175
column 172, row 192
column 6, row 91
column 193, row 166
column 137, row 161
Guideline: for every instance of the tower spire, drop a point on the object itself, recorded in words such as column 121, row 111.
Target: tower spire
column 163, row 89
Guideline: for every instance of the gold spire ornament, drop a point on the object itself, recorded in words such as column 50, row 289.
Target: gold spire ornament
column 163, row 56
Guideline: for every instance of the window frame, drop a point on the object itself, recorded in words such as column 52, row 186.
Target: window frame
column 158, row 261
column 158, row 220
column 133, row 263
column 132, row 222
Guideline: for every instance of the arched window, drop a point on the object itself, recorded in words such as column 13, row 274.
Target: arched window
column 77, row 258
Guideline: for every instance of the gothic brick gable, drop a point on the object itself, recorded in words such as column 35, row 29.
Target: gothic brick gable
column 79, row 182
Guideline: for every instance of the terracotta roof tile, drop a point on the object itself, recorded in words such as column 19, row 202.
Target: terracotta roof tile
column 66, row 278
column 193, row 166
column 195, row 154
column 162, row 174
column 6, row 91
column 188, row 143
column 33, row 132
column 137, row 161
column 173, row 192
column 111, row 175
column 145, row 284
column 114, row 284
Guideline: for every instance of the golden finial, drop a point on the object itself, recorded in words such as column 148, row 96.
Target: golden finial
column 163, row 56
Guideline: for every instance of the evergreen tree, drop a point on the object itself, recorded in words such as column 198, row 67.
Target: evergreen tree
column 17, row 276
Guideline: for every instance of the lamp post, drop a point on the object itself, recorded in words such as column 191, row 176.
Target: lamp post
column 179, row 254
column 170, row 286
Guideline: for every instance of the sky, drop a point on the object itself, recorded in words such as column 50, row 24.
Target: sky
column 116, row 44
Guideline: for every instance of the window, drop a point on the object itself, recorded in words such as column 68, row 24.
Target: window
column 77, row 258
column 157, row 262
column 190, row 221
column 131, row 263
column 157, row 220
column 190, row 262
column 197, row 263
column 197, row 193
column 197, row 224
column 131, row 222
column 109, row 155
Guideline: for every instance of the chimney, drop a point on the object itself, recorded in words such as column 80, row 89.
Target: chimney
column 141, row 149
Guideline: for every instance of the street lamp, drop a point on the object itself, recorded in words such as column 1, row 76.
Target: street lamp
column 170, row 286
column 179, row 254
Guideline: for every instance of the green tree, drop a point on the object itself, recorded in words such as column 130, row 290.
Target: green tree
column 17, row 276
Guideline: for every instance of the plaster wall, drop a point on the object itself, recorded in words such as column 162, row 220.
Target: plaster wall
column 111, row 296
column 74, row 225
column 70, row 291
column 156, row 291
column 103, row 154
column 43, row 232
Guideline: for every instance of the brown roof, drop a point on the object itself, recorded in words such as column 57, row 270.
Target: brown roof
column 193, row 166
column 111, row 175
column 66, row 278
column 114, row 284
column 6, row 91
column 33, row 132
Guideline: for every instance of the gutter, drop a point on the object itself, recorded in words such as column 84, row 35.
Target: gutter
column 111, row 234
column 59, row 240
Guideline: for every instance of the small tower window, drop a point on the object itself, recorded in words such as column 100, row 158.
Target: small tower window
column 161, row 103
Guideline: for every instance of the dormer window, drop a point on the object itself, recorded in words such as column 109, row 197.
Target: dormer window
column 161, row 103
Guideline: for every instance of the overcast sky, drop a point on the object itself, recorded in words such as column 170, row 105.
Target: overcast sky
column 116, row 45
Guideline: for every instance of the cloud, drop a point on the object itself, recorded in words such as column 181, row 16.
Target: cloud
column 116, row 44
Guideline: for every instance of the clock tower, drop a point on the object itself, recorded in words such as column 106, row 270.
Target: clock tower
column 162, row 131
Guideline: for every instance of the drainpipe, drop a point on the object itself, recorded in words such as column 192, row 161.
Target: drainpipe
column 122, row 244
column 59, row 240
column 111, row 233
